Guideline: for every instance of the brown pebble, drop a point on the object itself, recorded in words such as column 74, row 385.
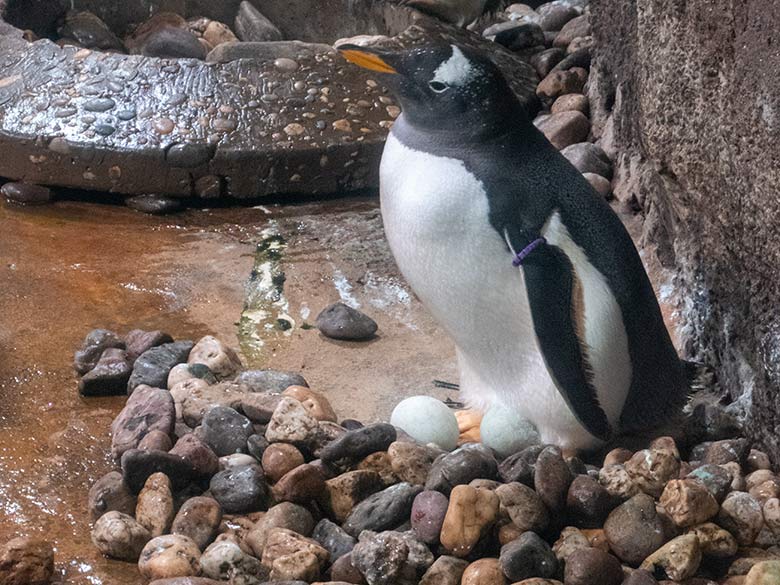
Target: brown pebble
column 279, row 459
column 588, row 566
column 471, row 512
column 163, row 125
column 315, row 403
column 300, row 486
column 483, row 572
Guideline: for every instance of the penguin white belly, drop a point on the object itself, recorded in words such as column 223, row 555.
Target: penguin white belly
column 435, row 214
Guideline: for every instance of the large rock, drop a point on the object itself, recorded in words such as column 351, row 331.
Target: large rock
column 148, row 409
column 152, row 366
column 26, row 561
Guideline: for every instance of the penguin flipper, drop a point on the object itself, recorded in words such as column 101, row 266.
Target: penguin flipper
column 552, row 289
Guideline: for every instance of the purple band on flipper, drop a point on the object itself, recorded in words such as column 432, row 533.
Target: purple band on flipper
column 523, row 254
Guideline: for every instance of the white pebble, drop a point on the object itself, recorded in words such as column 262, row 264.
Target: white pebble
column 427, row 420
column 506, row 432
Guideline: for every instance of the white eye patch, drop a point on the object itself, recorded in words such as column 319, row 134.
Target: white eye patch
column 457, row 70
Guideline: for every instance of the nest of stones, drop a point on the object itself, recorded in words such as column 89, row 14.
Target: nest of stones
column 249, row 476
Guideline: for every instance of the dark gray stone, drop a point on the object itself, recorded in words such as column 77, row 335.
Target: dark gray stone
column 111, row 493
column 109, row 376
column 528, row 556
column 383, row 510
column 172, row 43
column 354, row 445
column 138, row 465
column 89, row 32
column 270, row 380
column 514, row 35
column 225, row 430
column 240, row 490
column 547, row 60
column 469, row 462
column 153, row 366
column 634, row 530
column 340, row 321
column 256, row 445
column 520, row 467
column 26, row 193
column 333, row 538
column 92, row 348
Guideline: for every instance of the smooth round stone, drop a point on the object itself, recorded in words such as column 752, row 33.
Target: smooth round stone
column 286, row 64
column 506, row 432
column 427, row 420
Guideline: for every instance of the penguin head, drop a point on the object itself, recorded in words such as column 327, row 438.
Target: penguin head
column 439, row 86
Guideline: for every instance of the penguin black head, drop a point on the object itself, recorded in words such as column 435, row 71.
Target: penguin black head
column 440, row 86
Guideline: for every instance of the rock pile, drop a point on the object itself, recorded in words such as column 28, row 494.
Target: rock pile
column 250, row 477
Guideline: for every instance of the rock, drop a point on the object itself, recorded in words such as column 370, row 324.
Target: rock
column 570, row 540
column 445, row 570
column 186, row 581
column 291, row 423
column 470, row 514
column 119, row 536
column 589, row 158
column 25, row 560
column 343, row 571
column 197, row 454
column 740, row 514
column 652, row 468
column 252, row 26
column 640, row 577
column 545, row 61
column 266, row 51
column 333, row 539
column 576, row 27
column 565, row 128
column 390, row 558
column 523, row 506
column 156, row 441
column 715, row 542
column 182, row 372
column 427, row 420
column 138, row 341
column 111, row 493
column 219, row 358
column 259, row 408
column 515, row 35
column 553, row 15
column 198, row 519
column 198, row 398
column 171, row 43
column 236, row 460
column 634, row 530
column 758, row 460
column 340, row 321
column 270, row 381
column 159, row 204
column 562, row 82
column 571, row 102
column 256, row 445
column 354, row 445
column 217, row 33
column 155, row 505
column 279, row 459
column 428, row 511
column 411, row 462
column 380, row 462
column 293, row 556
column 483, row 572
column 588, row 502
column 602, row 186
column 152, row 366
column 469, row 462
column 382, row 511
column 687, row 502
column 521, row 466
column 93, row 346
column 528, row 556
column 552, row 478
column 737, row 478
column 225, row 431
column 679, row 558
column 591, row 565
column 580, row 45
column 224, row 560
column 284, row 515
column 148, row 409
column 26, row 193
column 315, row 403
column 138, row 465
column 755, row 479
column 764, row 573
column 726, row 451
column 301, row 485
column 618, row 482
column 171, row 555
column 504, row 431
column 89, row 32
column 347, row 490
column 240, row 490
column 581, row 57
column 522, row 12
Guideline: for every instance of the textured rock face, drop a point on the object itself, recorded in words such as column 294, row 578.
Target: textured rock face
column 694, row 104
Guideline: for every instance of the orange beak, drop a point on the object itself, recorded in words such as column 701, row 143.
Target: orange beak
column 359, row 56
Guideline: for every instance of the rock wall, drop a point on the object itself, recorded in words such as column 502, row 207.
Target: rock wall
column 686, row 95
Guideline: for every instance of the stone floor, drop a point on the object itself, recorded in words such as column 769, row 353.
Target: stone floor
column 74, row 266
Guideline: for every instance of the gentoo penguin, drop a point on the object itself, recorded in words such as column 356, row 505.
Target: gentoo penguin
column 515, row 255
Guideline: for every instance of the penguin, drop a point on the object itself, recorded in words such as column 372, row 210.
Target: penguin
column 520, row 261
column 461, row 13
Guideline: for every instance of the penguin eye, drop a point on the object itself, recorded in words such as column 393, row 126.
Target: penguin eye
column 438, row 86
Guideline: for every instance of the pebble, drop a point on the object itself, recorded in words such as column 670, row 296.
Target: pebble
column 153, row 366
column 470, row 514
column 576, row 27
column 138, row 465
column 428, row 511
column 618, row 482
column 198, row 397
column 225, row 430
column 315, row 403
column 588, row 502
column 109, row 376
column 504, row 431
column 89, row 32
column 147, row 409
column 589, row 158
column 256, row 445
column 284, row 515
column 523, row 506
column 154, row 510
column 545, row 61
column 740, row 514
column 679, row 558
column 528, row 556
column 293, row 556
column 469, row 462
column 182, row 372
column 390, row 558
column 199, row 519
column 571, row 102
column 725, row 451
column 552, row 478
column 634, row 530
column 172, row 43
column 553, row 16
column 269, row 381
column 119, row 536
column 357, row 444
column 291, row 423
column 197, row 454
column 570, row 540
column 427, row 420
column 521, row 466
column 343, row 571
column 259, row 408
column 651, row 469
column 240, row 489
column 217, row 33
column 301, row 485
column 220, row 359
column 515, row 35
column 280, row 458
column 764, row 573
column 171, row 555
column 687, row 502
column 640, row 577
column 445, row 570
column 561, row 82
column 252, row 26
column 384, row 510
column 110, row 493
column 154, row 204
column 340, row 321
column 333, row 539
column 588, row 566
column 26, row 193
column 483, row 572
column 411, row 462
column 345, row 491
column 715, row 541
column 757, row 460
column 564, row 128
column 224, row 560
column 379, row 462
column 602, row 186
column 93, row 346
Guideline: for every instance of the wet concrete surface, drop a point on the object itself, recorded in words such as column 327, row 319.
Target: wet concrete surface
column 72, row 266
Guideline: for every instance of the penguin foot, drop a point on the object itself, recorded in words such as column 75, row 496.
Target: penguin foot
column 468, row 425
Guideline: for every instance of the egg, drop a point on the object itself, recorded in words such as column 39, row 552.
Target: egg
column 427, row 420
column 506, row 432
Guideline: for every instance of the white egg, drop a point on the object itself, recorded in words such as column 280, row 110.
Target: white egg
column 427, row 420
column 504, row 431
